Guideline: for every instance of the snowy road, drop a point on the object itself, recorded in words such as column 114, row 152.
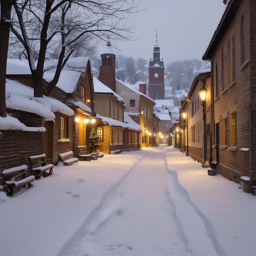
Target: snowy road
column 152, row 202
column 138, row 218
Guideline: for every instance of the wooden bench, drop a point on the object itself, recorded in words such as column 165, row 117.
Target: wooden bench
column 83, row 153
column 68, row 158
column 17, row 179
column 39, row 166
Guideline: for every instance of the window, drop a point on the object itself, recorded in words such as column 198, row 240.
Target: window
column 229, row 65
column 83, row 94
column 142, row 139
column 64, row 133
column 193, row 133
column 222, row 70
column 104, row 105
column 133, row 137
column 132, row 103
column 145, row 139
column 120, row 136
column 192, row 108
column 130, row 137
column 217, row 80
column 100, row 133
column 225, row 131
column 233, row 129
column 233, row 75
column 120, row 114
column 116, row 113
column 244, row 57
column 145, row 111
column 136, row 137
column 149, row 113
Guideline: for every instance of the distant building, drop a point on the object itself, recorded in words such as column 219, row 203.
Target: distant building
column 156, row 86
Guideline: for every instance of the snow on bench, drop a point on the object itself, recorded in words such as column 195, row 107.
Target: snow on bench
column 38, row 165
column 68, row 158
column 15, row 178
column 83, row 153
column 118, row 151
column 14, row 169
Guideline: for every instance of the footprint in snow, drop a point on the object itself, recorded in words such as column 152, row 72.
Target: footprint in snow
column 68, row 192
column 119, row 212
column 129, row 247
column 80, row 181
column 76, row 195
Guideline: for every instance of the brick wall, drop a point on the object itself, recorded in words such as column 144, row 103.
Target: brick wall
column 17, row 146
column 196, row 153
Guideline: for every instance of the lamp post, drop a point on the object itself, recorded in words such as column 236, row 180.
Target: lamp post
column 202, row 94
column 176, row 134
column 185, row 117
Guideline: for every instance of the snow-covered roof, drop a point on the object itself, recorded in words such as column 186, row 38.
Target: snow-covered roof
column 128, row 122
column 165, row 102
column 204, row 69
column 17, row 67
column 21, row 97
column 132, row 114
column 79, row 62
column 137, row 92
column 164, row 117
column 156, row 65
column 108, row 50
column 99, row 87
column 79, row 104
column 11, row 123
column 67, row 81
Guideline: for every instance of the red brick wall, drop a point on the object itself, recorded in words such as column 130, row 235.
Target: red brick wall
column 17, row 146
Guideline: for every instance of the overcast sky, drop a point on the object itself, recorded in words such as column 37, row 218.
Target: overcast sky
column 185, row 28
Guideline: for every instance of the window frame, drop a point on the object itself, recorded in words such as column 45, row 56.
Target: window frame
column 132, row 104
column 64, row 128
column 101, row 136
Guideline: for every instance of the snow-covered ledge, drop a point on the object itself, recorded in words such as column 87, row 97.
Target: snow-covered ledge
column 244, row 149
column 223, row 146
column 233, row 148
column 64, row 140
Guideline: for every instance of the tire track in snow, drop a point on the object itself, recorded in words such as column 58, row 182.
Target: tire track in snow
column 207, row 225
column 105, row 201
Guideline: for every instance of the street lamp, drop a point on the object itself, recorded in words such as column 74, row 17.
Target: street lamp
column 185, row 126
column 202, row 94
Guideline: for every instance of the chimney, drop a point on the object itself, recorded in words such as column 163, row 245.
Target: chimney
column 143, row 88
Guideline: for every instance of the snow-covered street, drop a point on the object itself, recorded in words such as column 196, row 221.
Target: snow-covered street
column 151, row 202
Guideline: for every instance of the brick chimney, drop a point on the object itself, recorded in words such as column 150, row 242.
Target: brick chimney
column 143, row 88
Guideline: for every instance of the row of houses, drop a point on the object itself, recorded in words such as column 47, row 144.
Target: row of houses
column 219, row 129
column 122, row 117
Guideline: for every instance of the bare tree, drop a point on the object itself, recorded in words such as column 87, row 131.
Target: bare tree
column 141, row 65
column 6, row 6
column 56, row 22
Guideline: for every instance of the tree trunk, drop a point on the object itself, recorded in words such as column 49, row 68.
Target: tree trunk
column 6, row 6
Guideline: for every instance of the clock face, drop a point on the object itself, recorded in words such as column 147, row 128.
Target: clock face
column 156, row 75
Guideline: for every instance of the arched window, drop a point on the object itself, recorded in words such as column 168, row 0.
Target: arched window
column 100, row 133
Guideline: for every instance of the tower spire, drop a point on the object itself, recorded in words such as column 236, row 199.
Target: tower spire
column 156, row 38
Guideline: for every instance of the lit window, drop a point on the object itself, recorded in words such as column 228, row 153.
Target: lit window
column 83, row 94
column 225, row 131
column 233, row 129
column 100, row 133
column 63, row 128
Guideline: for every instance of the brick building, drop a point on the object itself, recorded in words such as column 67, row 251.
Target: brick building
column 156, row 87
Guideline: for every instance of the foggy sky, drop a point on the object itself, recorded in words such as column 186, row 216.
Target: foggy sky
column 185, row 28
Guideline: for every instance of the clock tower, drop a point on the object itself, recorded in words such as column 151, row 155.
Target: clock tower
column 156, row 75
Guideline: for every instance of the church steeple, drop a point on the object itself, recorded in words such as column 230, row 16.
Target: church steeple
column 156, row 55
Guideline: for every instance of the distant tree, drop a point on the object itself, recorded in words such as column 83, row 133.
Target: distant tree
column 141, row 65
column 93, row 141
column 131, row 71
column 121, row 73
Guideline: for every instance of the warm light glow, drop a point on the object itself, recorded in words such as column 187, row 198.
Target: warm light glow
column 159, row 133
column 154, row 134
column 149, row 134
column 142, row 112
column 88, row 100
column 77, row 119
column 184, row 115
column 177, row 129
column 162, row 136
column 202, row 94
column 146, row 131
column 167, row 136
column 165, row 77
column 93, row 121
column 86, row 121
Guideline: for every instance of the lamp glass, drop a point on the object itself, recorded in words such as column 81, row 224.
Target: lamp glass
column 77, row 119
column 93, row 121
column 86, row 121
column 177, row 129
column 202, row 94
column 184, row 115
